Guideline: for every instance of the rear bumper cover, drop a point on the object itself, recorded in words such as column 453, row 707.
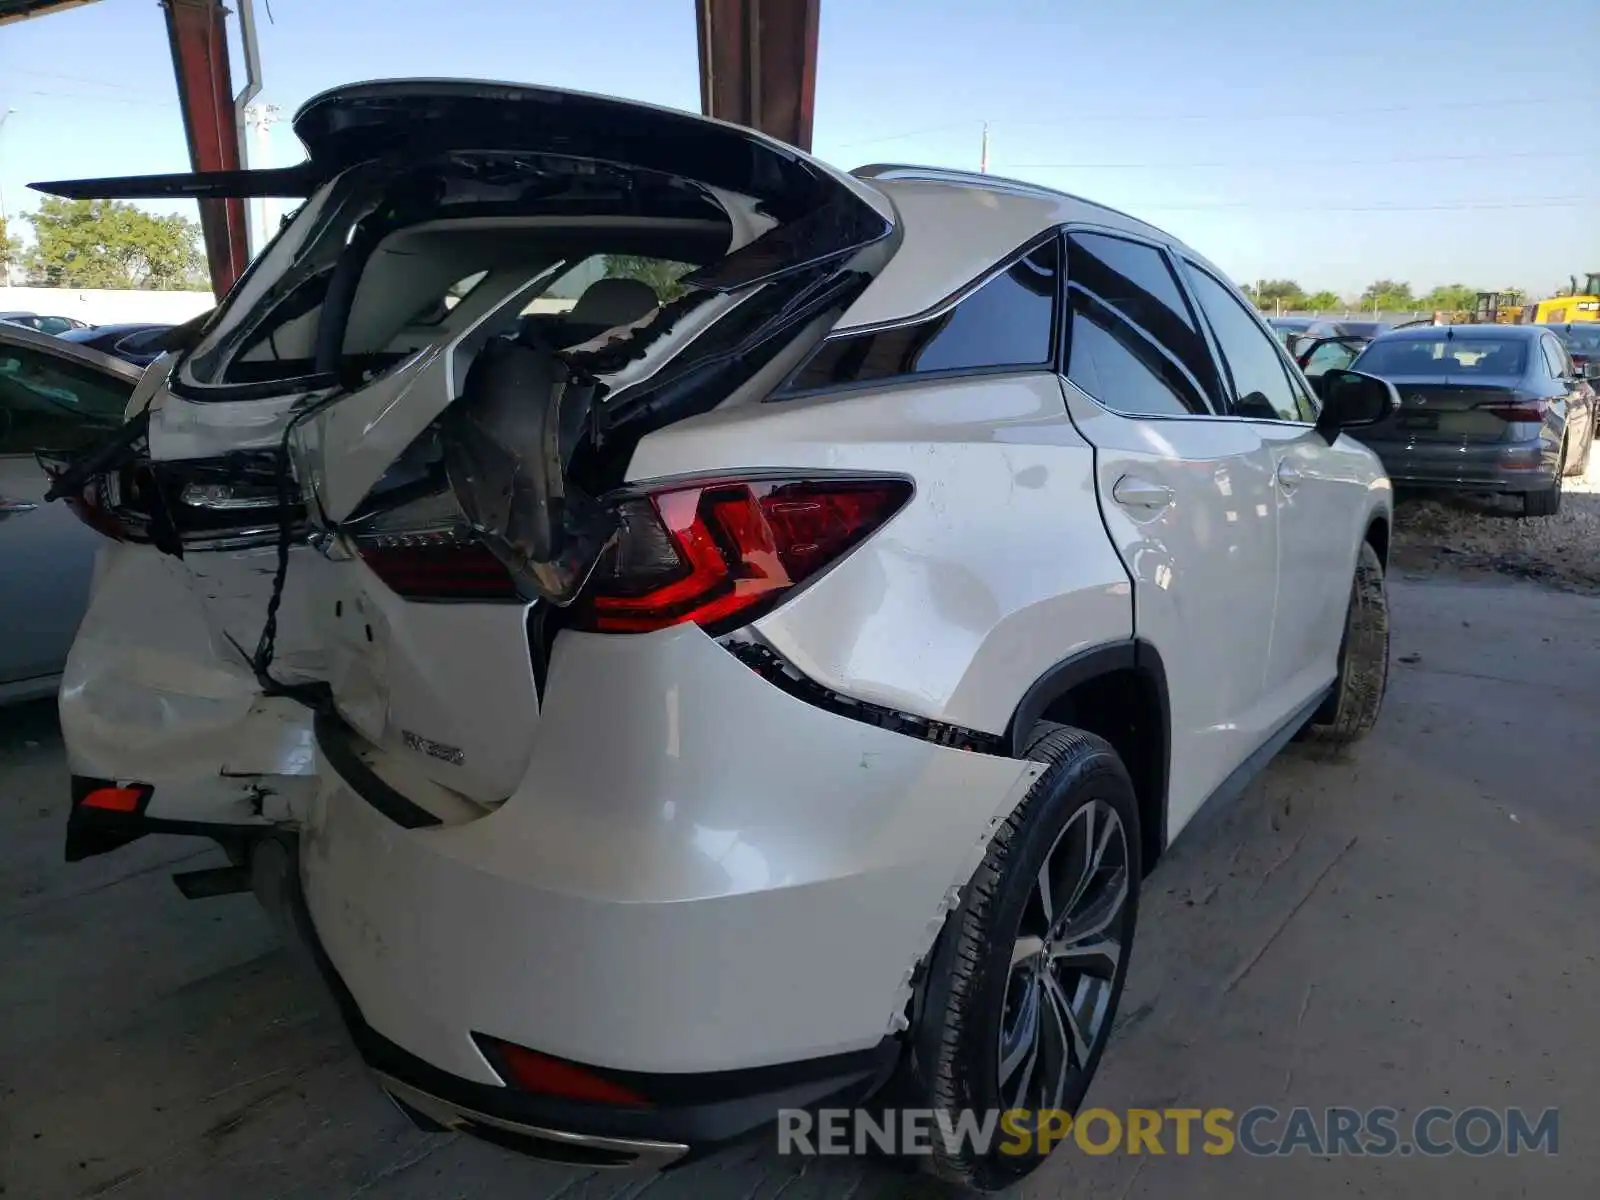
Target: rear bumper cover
column 701, row 1112
column 726, row 884
column 1495, row 467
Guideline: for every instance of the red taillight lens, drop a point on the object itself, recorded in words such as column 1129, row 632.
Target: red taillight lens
column 721, row 554
column 544, row 1076
column 447, row 570
column 1517, row 410
column 118, row 799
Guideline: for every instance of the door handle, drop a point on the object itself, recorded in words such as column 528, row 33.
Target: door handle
column 1289, row 475
column 10, row 507
column 1133, row 492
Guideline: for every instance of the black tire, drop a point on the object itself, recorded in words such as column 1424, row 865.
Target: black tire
column 1581, row 467
column 1546, row 502
column 973, row 982
column 1349, row 714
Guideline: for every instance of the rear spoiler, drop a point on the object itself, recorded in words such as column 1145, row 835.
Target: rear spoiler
column 298, row 181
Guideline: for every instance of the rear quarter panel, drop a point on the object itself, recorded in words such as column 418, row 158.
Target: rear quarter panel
column 996, row 569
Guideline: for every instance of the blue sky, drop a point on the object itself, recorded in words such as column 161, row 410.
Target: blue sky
column 1330, row 144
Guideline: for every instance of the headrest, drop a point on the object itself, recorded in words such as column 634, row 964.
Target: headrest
column 611, row 302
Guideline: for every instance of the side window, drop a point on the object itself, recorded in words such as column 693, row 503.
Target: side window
column 1132, row 341
column 1007, row 322
column 1553, row 358
column 1330, row 356
column 49, row 403
column 1261, row 379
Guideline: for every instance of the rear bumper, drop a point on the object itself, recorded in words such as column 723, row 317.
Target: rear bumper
column 702, row 1112
column 703, row 885
column 1496, row 467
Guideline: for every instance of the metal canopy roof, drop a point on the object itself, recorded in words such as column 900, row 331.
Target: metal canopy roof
column 21, row 10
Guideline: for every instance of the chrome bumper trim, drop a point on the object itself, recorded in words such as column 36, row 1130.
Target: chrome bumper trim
column 641, row 1153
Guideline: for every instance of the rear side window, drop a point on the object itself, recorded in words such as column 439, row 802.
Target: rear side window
column 1006, row 323
column 1554, row 358
column 1262, row 386
column 1132, row 342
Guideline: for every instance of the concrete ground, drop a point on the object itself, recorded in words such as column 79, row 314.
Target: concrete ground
column 1413, row 924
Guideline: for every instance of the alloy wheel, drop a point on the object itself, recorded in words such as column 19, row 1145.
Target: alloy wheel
column 1064, row 961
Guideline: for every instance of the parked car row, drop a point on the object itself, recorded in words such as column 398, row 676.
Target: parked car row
column 1507, row 409
column 135, row 343
column 42, row 324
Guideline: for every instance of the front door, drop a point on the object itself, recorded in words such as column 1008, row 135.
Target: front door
column 1315, row 488
column 53, row 396
column 1187, row 497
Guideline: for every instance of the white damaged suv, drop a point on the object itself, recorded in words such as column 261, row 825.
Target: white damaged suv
column 682, row 631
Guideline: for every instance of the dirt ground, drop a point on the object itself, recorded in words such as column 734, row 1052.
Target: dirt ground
column 1473, row 534
column 1413, row 923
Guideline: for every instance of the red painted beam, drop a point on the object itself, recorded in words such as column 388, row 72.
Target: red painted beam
column 758, row 64
column 198, row 34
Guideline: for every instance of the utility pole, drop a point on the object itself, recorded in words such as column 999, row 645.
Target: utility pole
column 983, row 154
column 259, row 119
column 5, row 265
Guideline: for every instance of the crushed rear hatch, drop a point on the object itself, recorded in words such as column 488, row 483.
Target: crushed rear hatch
column 370, row 411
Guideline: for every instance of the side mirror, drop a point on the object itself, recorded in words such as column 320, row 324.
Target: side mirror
column 1351, row 399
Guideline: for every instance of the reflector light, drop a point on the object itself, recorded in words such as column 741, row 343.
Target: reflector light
column 544, row 1076
column 116, row 799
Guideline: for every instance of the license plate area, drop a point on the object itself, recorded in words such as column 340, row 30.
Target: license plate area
column 1419, row 420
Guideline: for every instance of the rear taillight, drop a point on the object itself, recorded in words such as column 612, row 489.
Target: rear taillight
column 93, row 503
column 442, row 568
column 1517, row 410
column 722, row 554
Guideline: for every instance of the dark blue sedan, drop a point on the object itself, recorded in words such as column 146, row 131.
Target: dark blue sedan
column 1489, row 408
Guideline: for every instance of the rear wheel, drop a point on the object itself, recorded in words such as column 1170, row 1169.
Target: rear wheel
column 1024, row 983
column 1546, row 502
column 1581, row 467
column 1349, row 714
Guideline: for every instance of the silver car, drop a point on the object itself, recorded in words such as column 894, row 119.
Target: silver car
column 1488, row 408
column 54, row 395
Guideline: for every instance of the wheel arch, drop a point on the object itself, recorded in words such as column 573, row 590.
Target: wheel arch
column 1119, row 691
column 1377, row 536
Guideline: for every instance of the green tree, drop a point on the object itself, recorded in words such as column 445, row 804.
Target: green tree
column 1388, row 294
column 1450, row 297
column 664, row 276
column 110, row 244
column 1323, row 301
column 1270, row 293
column 10, row 250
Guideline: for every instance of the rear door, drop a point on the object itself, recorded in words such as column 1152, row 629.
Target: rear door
column 54, row 396
column 1575, row 394
column 1186, row 495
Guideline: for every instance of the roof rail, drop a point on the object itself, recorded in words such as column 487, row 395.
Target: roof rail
column 903, row 171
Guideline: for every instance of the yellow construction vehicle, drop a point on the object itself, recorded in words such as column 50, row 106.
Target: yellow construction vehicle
column 1497, row 308
column 1576, row 305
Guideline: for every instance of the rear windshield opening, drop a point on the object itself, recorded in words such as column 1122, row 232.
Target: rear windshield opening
column 1446, row 356
column 371, row 272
